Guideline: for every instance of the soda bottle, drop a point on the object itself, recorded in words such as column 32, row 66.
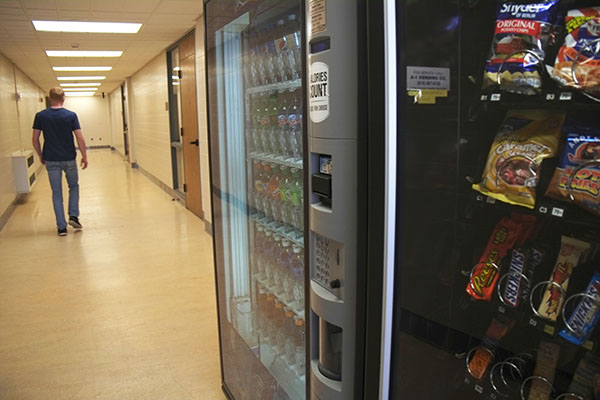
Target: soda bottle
column 282, row 125
column 297, row 268
column 299, row 339
column 261, row 51
column 294, row 45
column 295, row 127
column 251, row 75
column 289, row 329
column 270, row 55
column 274, row 192
column 281, row 46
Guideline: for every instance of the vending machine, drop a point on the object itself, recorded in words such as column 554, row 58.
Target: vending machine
column 497, row 269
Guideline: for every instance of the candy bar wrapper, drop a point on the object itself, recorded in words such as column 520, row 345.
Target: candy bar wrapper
column 582, row 27
column 545, row 366
column 568, row 258
column 586, row 314
column 483, row 282
column 583, row 379
column 522, row 263
column 484, row 355
column 583, row 147
column 518, row 47
column 523, row 141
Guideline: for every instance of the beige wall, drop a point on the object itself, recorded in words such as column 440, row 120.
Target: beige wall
column 150, row 120
column 93, row 118
column 116, row 121
column 16, row 120
column 203, row 120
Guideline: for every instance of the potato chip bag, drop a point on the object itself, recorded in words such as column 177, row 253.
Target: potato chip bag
column 577, row 175
column 524, row 139
column 578, row 60
column 522, row 33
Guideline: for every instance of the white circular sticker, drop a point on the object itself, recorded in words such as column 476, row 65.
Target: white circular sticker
column 318, row 83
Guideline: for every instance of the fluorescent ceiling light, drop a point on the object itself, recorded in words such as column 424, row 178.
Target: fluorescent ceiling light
column 80, row 78
column 91, row 27
column 82, row 68
column 82, row 53
column 79, row 94
column 80, row 89
column 80, row 84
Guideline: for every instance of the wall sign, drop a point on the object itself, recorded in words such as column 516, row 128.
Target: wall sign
column 427, row 78
column 318, row 16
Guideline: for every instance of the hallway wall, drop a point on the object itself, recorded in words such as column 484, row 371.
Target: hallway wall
column 150, row 119
column 16, row 119
column 116, row 121
column 93, row 117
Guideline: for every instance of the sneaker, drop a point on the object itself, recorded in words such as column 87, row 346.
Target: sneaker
column 74, row 222
column 62, row 231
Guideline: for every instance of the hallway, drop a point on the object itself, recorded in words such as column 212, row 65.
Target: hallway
column 124, row 309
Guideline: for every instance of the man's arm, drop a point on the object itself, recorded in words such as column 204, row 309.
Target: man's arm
column 81, row 144
column 35, row 140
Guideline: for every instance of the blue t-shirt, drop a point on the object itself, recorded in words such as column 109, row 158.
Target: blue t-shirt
column 57, row 125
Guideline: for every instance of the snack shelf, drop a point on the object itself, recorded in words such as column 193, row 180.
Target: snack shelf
column 276, row 159
column 559, row 98
column 289, row 232
column 547, row 208
column 278, row 86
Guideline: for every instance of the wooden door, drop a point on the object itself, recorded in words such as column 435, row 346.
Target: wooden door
column 189, row 117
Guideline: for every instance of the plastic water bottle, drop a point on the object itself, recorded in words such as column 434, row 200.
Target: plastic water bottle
column 294, row 45
column 282, row 50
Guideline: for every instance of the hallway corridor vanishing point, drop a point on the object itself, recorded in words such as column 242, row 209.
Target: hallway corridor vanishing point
column 124, row 309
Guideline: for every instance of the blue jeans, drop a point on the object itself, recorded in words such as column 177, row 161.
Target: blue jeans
column 55, row 169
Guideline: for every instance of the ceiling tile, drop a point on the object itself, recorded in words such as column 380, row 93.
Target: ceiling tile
column 74, row 5
column 10, row 4
column 40, row 4
column 146, row 6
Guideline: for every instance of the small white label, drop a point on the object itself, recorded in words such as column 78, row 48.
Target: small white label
column 550, row 96
column 418, row 78
column 496, row 97
column 566, row 96
column 479, row 389
column 318, row 103
column 543, row 210
column 318, row 16
column 532, row 322
column 490, row 200
column 558, row 212
column 502, row 309
column 483, row 97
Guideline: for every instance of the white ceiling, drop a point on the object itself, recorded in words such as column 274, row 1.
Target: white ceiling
column 164, row 22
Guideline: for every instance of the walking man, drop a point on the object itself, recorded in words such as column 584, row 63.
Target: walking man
column 58, row 125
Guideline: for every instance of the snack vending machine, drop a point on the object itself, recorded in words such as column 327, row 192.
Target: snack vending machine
column 497, row 271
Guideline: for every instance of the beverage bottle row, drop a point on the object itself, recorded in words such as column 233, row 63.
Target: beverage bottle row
column 273, row 52
column 279, row 265
column 278, row 192
column 282, row 330
column 276, row 124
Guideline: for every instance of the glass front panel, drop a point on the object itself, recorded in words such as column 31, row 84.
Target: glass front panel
column 497, row 258
column 255, row 111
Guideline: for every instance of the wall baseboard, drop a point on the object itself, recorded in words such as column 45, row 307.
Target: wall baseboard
column 19, row 199
column 172, row 192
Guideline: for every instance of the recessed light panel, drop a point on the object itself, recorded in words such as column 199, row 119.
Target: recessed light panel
column 79, row 89
column 79, row 94
column 79, row 84
column 62, row 69
column 91, row 27
column 80, row 78
column 82, row 53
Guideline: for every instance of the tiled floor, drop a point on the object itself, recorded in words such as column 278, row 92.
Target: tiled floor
column 124, row 309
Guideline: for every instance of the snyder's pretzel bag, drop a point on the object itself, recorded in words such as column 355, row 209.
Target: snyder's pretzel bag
column 518, row 48
column 577, row 176
column 578, row 60
column 523, row 141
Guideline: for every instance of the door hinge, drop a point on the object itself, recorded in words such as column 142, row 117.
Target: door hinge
column 181, row 131
column 184, row 188
column 179, row 74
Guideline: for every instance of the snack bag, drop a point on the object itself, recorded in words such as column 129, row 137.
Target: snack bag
column 583, row 28
column 518, row 47
column 577, row 176
column 523, row 141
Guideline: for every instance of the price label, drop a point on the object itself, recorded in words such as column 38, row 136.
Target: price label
column 549, row 329
column 566, row 96
column 484, row 97
column 490, row 200
column 495, row 97
column 532, row 322
column 558, row 212
column 479, row 389
column 467, row 380
column 502, row 309
column 550, row 96
column 543, row 210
